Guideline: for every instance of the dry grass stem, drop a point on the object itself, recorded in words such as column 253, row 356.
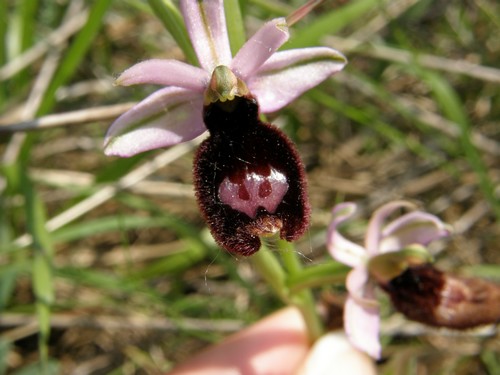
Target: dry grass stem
column 378, row 51
column 54, row 40
column 109, row 191
column 83, row 116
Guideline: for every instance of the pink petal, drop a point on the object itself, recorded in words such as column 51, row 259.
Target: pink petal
column 360, row 288
column 259, row 48
column 374, row 231
column 362, row 328
column 168, row 116
column 413, row 228
column 340, row 248
column 206, row 25
column 167, row 73
column 361, row 317
column 288, row 74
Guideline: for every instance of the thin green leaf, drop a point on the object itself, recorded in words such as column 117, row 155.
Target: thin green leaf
column 174, row 222
column 274, row 7
column 75, row 53
column 116, row 168
column 104, row 280
column 42, row 279
column 4, row 18
column 491, row 361
column 114, row 223
column 174, row 262
column 50, row 368
column 28, row 11
column 4, row 352
column 7, row 284
column 486, row 271
column 172, row 19
column 368, row 116
column 42, row 264
column 235, row 25
column 453, row 108
column 331, row 22
column 35, row 214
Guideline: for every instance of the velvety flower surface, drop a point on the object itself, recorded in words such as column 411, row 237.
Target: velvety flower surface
column 415, row 229
column 173, row 114
column 248, row 177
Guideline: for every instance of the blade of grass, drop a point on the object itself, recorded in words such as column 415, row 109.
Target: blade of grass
column 4, row 18
column 275, row 8
column 453, row 108
column 5, row 227
column 4, row 352
column 8, row 278
column 107, row 192
column 173, row 263
column 368, row 116
column 332, row 22
column 28, row 11
column 43, row 285
column 235, row 25
column 116, row 223
column 52, row 367
column 75, row 53
column 491, row 361
column 177, row 224
column 172, row 19
column 102, row 280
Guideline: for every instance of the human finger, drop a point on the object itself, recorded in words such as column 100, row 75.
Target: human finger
column 276, row 345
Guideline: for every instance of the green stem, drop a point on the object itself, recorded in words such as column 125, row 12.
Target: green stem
column 303, row 299
column 274, row 274
column 317, row 276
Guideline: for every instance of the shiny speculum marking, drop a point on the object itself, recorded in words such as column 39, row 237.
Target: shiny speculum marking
column 247, row 190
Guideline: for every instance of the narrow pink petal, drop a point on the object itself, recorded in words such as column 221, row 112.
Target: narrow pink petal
column 413, row 228
column 360, row 287
column 340, row 248
column 288, row 74
column 168, row 116
column 259, row 48
column 362, row 328
column 374, row 231
column 361, row 320
column 167, row 73
column 206, row 25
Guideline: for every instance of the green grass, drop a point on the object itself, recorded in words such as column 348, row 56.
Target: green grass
column 415, row 115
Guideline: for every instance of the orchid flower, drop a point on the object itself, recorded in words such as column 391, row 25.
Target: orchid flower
column 173, row 114
column 402, row 239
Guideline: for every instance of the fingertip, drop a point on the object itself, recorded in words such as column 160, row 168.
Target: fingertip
column 277, row 344
column 333, row 353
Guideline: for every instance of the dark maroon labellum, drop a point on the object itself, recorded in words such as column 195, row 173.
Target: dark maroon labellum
column 430, row 296
column 248, row 178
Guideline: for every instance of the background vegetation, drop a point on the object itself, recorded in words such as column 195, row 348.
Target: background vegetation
column 105, row 264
